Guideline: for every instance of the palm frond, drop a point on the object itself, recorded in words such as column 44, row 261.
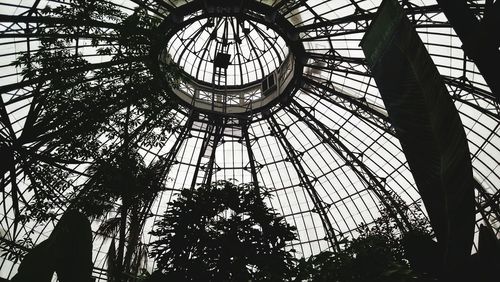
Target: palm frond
column 140, row 259
column 109, row 227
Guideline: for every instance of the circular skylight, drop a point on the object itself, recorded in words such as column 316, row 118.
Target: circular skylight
column 233, row 60
column 225, row 51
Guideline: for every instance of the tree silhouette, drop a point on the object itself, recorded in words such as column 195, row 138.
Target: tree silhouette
column 126, row 179
column 82, row 112
column 223, row 232
column 76, row 104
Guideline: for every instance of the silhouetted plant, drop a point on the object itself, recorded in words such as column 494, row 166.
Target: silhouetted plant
column 127, row 179
column 223, row 232
column 14, row 251
column 68, row 251
column 377, row 254
column 76, row 104
column 70, row 112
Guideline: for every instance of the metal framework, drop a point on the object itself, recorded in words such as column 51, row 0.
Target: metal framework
column 324, row 148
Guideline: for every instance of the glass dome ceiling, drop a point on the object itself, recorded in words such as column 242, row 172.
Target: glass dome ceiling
column 253, row 50
column 323, row 145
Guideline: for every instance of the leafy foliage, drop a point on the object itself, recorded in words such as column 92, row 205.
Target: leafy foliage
column 68, row 251
column 76, row 104
column 377, row 254
column 47, row 201
column 86, row 10
column 223, row 232
column 14, row 251
column 84, row 112
column 71, row 112
column 123, row 178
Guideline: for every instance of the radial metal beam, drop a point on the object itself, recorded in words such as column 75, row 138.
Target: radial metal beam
column 378, row 121
column 172, row 154
column 167, row 162
column 331, row 58
column 5, row 120
column 488, row 200
column 333, row 62
column 358, row 22
column 209, row 167
column 251, row 158
column 336, row 23
column 305, row 182
column 482, row 101
column 189, row 41
column 203, row 148
column 327, row 91
column 359, row 168
column 213, row 131
column 384, row 124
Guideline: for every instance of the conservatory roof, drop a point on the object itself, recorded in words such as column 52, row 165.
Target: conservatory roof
column 248, row 81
